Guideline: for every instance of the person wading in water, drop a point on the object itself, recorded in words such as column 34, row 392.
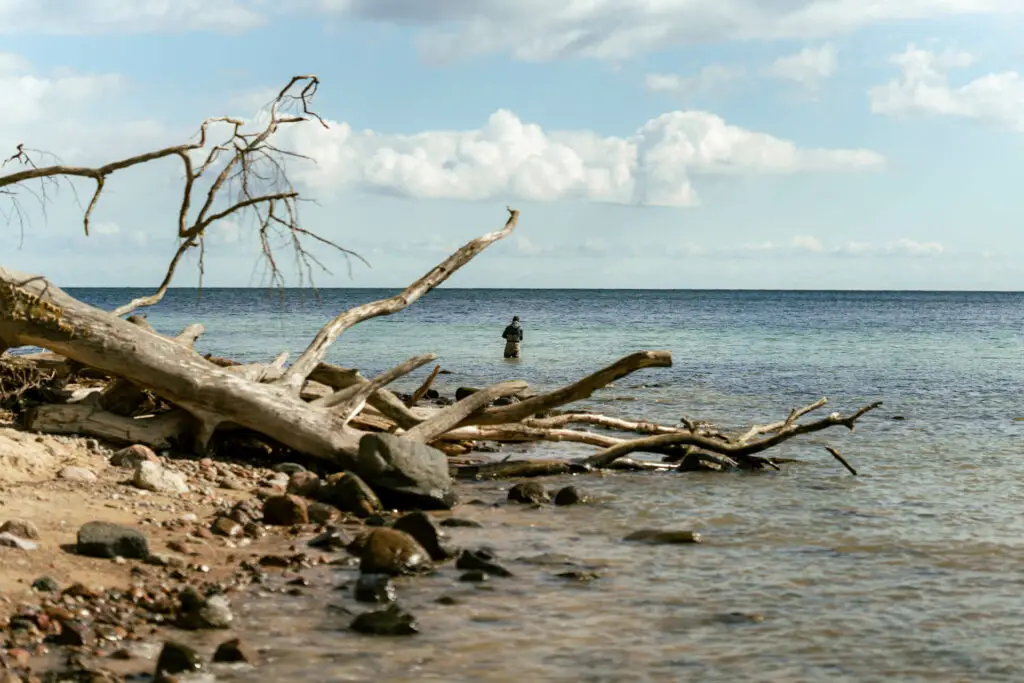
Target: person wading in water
column 513, row 336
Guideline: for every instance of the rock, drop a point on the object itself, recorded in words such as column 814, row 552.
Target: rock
column 234, row 650
column 231, row 484
column 176, row 658
column 102, row 539
column 254, row 530
column 76, row 474
column 421, row 527
column 286, row 510
column 386, row 551
column 375, row 588
column 162, row 560
column 306, row 484
column 463, row 392
column 225, row 526
column 569, row 495
column 46, row 584
column 322, row 513
column 22, row 528
column 74, row 634
column 333, row 538
column 528, row 492
column 481, row 560
column 152, row 477
column 213, row 612
column 288, row 468
column 657, row 536
column 349, row 493
column 390, row 621
column 474, row 575
column 578, row 575
column 459, row 522
column 405, row 474
column 130, row 457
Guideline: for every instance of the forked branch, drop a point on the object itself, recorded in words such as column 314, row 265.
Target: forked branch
column 297, row 373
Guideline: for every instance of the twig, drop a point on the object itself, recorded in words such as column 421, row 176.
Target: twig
column 422, row 390
column 841, row 459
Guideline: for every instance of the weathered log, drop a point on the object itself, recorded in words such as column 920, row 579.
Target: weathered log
column 576, row 391
column 443, row 421
column 611, row 423
column 526, row 432
column 34, row 312
column 422, row 389
column 516, row 469
column 738, row 449
column 160, row 432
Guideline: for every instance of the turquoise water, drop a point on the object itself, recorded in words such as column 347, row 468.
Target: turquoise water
column 909, row 572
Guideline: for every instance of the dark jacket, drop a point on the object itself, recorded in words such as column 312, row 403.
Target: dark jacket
column 513, row 333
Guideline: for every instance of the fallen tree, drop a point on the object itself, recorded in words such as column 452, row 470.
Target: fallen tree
column 310, row 406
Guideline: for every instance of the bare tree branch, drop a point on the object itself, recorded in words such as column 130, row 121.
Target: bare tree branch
column 250, row 177
column 297, row 373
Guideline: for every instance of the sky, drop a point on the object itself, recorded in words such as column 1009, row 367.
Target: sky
column 726, row 144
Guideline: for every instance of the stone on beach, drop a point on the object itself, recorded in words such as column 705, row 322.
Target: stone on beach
column 106, row 540
column 150, row 476
column 405, row 474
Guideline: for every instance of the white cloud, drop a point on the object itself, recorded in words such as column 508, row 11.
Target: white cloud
column 616, row 29
column 63, row 17
column 908, row 247
column 105, row 228
column 924, row 88
column 509, row 159
column 807, row 243
column 26, row 98
column 13, row 64
column 809, row 67
column 710, row 79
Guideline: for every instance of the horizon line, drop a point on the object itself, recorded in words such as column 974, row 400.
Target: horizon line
column 560, row 289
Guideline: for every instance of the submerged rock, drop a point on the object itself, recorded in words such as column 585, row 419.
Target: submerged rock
column 570, row 495
column 286, row 510
column 386, row 551
column 658, row 536
column 333, row 538
column 460, row 522
column 176, row 658
column 405, row 474
column 197, row 612
column 322, row 513
column 421, row 527
column 106, row 540
column 376, row 588
column 390, row 621
column 480, row 560
column 349, row 493
column 234, row 650
column 528, row 492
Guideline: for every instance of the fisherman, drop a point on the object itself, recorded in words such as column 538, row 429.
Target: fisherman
column 513, row 336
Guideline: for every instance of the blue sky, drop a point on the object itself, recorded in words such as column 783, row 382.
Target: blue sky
column 848, row 144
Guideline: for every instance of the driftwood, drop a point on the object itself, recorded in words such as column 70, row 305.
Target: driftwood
column 163, row 393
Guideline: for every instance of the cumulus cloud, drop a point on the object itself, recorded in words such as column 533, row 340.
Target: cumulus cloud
column 709, row 80
column 809, row 67
column 810, row 244
column 616, row 29
column 64, row 17
column 923, row 88
column 508, row 158
column 27, row 97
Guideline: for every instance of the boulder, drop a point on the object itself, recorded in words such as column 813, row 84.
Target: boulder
column 348, row 493
column 528, row 492
column 106, row 540
column 152, row 477
column 405, row 474
column 386, row 551
column 420, row 526
column 287, row 510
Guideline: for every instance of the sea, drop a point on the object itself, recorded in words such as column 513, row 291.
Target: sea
column 913, row 570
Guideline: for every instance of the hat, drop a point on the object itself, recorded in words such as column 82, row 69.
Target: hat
column 515, row 318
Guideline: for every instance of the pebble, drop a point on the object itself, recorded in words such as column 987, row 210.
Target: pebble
column 421, row 527
column 286, row 510
column 150, row 476
column 225, row 526
column 106, row 540
column 176, row 658
column 390, row 621
column 22, row 528
column 77, row 474
column 306, row 484
column 528, row 492
column 46, row 584
column 234, row 650
column 386, row 551
column 375, row 588
column 130, row 457
column 8, row 540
